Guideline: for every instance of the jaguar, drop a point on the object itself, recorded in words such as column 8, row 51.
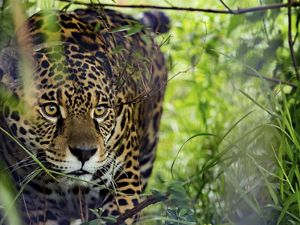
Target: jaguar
column 81, row 103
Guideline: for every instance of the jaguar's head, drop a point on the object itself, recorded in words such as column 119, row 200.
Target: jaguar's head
column 69, row 118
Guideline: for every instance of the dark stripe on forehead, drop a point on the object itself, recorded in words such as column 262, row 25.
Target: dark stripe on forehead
column 105, row 63
column 59, row 95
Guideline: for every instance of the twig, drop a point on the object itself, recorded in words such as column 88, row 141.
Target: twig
column 297, row 26
column 190, row 9
column 130, row 213
column 290, row 39
column 82, row 205
column 225, row 5
column 276, row 81
column 265, row 26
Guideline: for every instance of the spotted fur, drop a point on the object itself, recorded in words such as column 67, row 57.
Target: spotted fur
column 92, row 113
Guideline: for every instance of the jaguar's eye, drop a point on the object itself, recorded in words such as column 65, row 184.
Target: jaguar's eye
column 50, row 110
column 100, row 111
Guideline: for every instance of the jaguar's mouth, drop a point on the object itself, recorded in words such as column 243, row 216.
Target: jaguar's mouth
column 78, row 177
column 79, row 172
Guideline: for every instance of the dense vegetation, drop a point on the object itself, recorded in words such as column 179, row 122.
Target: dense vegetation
column 229, row 142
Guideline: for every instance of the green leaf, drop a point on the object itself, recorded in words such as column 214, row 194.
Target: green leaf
column 130, row 29
column 256, row 16
column 135, row 29
column 7, row 195
column 293, row 199
column 158, row 194
column 177, row 194
column 235, row 22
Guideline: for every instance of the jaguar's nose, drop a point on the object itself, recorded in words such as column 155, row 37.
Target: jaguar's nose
column 83, row 154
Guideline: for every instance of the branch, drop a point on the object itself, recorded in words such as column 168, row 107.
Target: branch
column 290, row 39
column 137, row 209
column 190, row 9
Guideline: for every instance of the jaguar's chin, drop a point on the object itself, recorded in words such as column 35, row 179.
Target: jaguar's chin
column 77, row 178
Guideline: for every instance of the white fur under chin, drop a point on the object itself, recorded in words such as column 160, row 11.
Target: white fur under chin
column 83, row 180
column 76, row 222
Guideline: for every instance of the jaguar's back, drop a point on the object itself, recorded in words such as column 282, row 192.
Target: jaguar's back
column 91, row 115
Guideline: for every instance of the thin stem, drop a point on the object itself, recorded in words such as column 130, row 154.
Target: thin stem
column 225, row 5
column 290, row 39
column 297, row 26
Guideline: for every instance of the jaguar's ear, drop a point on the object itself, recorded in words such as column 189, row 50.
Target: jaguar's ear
column 8, row 68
